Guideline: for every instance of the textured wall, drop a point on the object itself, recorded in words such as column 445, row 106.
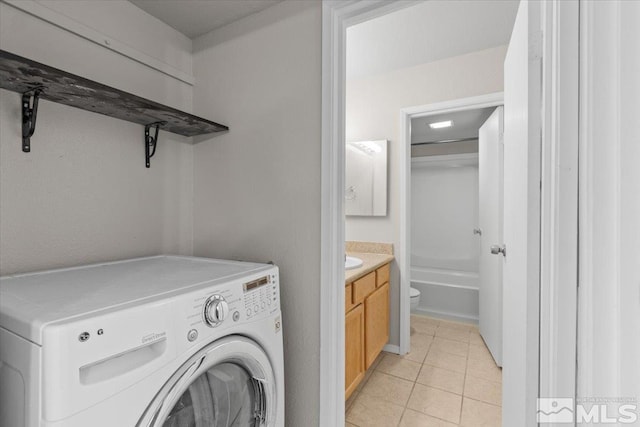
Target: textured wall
column 83, row 194
column 257, row 188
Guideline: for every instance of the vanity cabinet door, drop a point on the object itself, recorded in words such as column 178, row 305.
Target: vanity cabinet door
column 363, row 287
column 354, row 349
column 376, row 313
column 348, row 298
column 382, row 275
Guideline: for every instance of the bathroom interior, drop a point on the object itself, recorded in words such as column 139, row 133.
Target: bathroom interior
column 445, row 247
column 451, row 371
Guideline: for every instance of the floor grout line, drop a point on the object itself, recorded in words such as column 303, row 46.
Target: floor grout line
column 482, row 401
column 467, row 373
column 406, row 405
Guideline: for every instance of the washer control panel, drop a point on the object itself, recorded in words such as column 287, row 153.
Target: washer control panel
column 216, row 310
column 260, row 295
column 223, row 305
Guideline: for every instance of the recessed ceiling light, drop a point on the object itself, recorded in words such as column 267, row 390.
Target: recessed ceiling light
column 439, row 125
column 368, row 147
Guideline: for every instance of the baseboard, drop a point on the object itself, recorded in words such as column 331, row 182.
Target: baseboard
column 390, row 348
column 446, row 316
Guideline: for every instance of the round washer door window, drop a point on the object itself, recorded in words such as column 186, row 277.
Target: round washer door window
column 224, row 396
column 229, row 383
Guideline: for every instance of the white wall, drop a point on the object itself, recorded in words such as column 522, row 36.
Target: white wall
column 427, row 31
column 444, row 251
column 444, row 212
column 373, row 108
column 257, row 188
column 83, row 194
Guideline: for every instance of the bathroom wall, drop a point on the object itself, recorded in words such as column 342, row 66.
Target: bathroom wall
column 257, row 188
column 83, row 194
column 444, row 212
column 372, row 112
column 444, row 250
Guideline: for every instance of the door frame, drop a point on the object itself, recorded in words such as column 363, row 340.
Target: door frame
column 404, row 166
column 337, row 16
column 559, row 196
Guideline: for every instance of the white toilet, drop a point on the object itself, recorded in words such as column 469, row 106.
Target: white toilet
column 415, row 297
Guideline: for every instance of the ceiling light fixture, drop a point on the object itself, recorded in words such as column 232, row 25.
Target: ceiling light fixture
column 440, row 125
column 369, row 147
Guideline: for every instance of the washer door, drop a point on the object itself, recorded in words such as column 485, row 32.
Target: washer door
column 228, row 383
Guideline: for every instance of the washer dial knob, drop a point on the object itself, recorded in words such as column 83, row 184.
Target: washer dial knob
column 216, row 310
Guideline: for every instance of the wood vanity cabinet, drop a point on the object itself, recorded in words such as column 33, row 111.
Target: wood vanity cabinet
column 354, row 349
column 382, row 275
column 363, row 287
column 366, row 324
column 376, row 321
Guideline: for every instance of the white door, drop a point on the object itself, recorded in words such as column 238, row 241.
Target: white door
column 521, row 269
column 490, row 222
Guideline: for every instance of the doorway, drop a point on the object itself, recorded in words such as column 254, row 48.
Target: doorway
column 337, row 16
column 406, row 116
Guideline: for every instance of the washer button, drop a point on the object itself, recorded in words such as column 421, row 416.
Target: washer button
column 192, row 335
column 236, row 316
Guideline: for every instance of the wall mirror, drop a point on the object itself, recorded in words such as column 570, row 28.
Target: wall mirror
column 366, row 178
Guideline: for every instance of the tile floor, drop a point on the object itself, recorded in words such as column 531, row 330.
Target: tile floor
column 447, row 379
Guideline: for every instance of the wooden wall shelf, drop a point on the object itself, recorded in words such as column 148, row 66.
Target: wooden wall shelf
column 35, row 80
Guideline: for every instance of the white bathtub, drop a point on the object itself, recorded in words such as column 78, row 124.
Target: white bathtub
column 445, row 293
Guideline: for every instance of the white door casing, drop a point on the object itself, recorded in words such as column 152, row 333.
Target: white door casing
column 337, row 15
column 404, row 167
column 521, row 279
column 559, row 207
column 490, row 170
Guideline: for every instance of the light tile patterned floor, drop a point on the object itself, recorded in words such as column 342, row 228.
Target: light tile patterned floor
column 448, row 379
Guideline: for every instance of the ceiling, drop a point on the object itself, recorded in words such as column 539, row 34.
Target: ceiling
column 194, row 18
column 427, row 32
column 465, row 125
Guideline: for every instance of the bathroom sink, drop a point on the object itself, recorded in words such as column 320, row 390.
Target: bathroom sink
column 351, row 262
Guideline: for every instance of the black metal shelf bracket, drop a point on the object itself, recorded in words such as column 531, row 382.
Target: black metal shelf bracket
column 151, row 142
column 29, row 115
column 34, row 81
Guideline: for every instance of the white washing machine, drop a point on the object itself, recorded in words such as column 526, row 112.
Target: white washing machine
column 163, row 341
